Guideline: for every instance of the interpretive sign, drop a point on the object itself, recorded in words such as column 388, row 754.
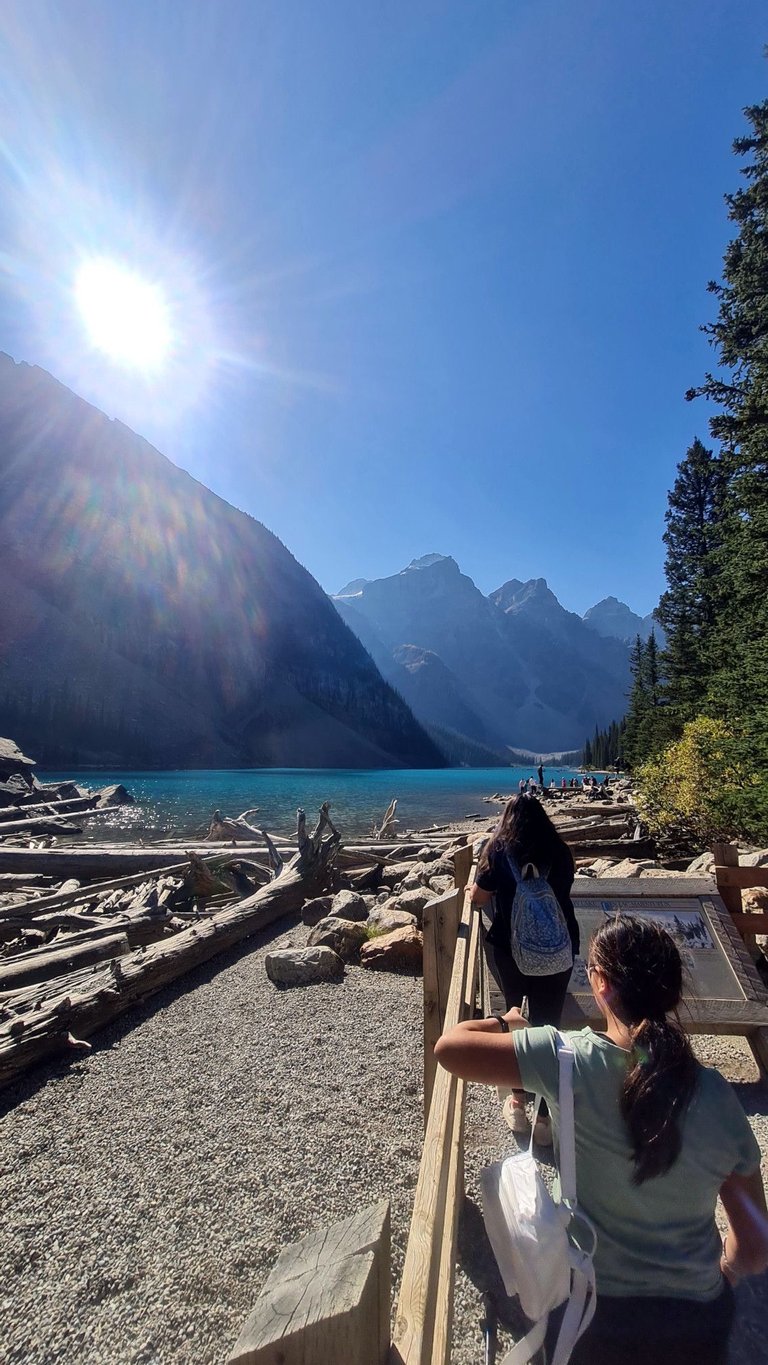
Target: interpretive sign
column 723, row 992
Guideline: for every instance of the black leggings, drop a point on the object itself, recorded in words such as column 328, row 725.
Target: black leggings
column 546, row 994
column 653, row 1331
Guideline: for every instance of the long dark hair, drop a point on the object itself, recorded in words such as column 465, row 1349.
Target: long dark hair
column 642, row 966
column 526, row 831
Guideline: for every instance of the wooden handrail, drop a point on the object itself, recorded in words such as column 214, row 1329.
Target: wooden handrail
column 741, row 877
column 424, row 1308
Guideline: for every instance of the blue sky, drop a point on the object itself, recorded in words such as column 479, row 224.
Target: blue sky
column 436, row 269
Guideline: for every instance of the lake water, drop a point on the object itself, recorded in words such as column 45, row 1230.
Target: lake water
column 181, row 803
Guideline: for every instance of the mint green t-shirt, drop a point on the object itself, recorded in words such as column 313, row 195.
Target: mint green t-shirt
column 658, row 1238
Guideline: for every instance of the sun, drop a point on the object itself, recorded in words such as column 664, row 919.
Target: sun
column 125, row 316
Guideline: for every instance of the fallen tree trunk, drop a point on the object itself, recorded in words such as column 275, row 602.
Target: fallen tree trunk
column 44, row 963
column 59, row 1025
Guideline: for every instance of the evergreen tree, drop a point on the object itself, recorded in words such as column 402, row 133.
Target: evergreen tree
column 646, row 730
column 739, row 684
column 689, row 608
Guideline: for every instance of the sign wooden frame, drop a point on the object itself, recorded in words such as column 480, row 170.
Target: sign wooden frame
column 744, row 1015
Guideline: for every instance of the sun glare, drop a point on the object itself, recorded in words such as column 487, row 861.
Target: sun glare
column 124, row 315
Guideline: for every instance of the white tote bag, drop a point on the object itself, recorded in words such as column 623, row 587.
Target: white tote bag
column 529, row 1233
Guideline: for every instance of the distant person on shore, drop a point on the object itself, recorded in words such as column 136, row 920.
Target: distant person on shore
column 525, row 835
column 658, row 1137
column 563, row 783
column 540, row 771
column 521, row 785
column 532, row 784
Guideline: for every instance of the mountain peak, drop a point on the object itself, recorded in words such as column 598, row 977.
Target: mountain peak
column 429, row 561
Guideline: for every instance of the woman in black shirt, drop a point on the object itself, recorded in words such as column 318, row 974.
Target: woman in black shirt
column 527, row 835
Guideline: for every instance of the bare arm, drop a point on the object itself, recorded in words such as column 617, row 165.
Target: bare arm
column 480, row 897
column 477, row 1050
column 745, row 1249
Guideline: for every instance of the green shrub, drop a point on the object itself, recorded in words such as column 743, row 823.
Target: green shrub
column 703, row 787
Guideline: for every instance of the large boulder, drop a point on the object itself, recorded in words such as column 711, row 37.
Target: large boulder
column 412, row 902
column 755, row 898
column 442, row 868
column 702, row 865
column 316, row 909
column 349, row 905
column 114, row 795
column 629, row 868
column 602, row 867
column 418, row 876
column 384, row 920
column 395, row 872
column 758, row 859
column 441, row 884
column 344, row 936
column 301, row 966
column 402, row 950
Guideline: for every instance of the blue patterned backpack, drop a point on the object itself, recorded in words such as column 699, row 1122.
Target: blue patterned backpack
column 541, row 944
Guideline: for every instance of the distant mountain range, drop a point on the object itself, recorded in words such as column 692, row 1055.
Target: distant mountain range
column 488, row 675
column 146, row 623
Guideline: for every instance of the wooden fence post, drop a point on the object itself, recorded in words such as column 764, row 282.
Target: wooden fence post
column 727, row 855
column 328, row 1299
column 440, row 926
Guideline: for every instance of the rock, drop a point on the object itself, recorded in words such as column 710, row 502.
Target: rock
column 702, row 865
column 442, row 868
column 344, row 936
column 395, row 872
column 14, row 790
column 383, row 897
column 755, row 898
column 441, row 884
column 601, row 866
column 629, row 868
column 427, row 854
column 418, row 876
column 114, row 795
column 300, row 966
column 71, row 885
column 348, row 905
column 412, row 902
column 314, row 910
column 12, row 760
column 759, row 859
column 385, row 920
column 402, row 950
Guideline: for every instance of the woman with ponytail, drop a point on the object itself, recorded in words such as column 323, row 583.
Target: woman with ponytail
column 658, row 1138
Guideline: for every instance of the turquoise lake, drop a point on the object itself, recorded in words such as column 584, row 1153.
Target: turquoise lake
column 181, row 803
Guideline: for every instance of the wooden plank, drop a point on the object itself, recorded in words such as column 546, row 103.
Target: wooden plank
column 751, row 923
column 741, row 877
column 439, row 928
column 727, row 855
column 462, row 866
column 443, row 1316
column 415, row 1316
column 758, row 1042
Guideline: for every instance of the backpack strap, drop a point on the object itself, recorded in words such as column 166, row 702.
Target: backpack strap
column 567, row 1152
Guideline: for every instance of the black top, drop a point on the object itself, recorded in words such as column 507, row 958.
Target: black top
column 499, row 879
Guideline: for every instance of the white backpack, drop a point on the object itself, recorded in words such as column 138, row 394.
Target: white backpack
column 544, row 1250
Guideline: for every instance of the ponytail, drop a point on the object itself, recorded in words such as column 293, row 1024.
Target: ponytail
column 641, row 962
column 657, row 1090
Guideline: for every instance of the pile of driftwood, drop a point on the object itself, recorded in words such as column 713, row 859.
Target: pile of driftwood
column 603, row 831
column 73, row 960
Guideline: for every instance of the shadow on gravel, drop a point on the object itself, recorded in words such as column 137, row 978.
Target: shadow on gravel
column 107, row 1038
column 479, row 1265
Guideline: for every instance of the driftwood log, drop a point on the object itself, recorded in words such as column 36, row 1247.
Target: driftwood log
column 60, row 1022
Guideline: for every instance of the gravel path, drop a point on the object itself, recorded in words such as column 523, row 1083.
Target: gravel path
column 147, row 1190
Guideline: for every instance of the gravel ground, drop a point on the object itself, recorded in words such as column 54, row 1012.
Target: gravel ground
column 147, row 1190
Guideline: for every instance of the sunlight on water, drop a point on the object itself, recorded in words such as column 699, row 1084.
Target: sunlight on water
column 181, row 803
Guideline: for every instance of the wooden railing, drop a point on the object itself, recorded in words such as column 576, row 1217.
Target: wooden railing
column 424, row 1314
column 731, row 881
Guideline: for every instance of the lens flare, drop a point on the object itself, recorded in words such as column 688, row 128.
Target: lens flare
column 125, row 316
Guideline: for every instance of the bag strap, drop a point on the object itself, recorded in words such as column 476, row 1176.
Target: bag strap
column 567, row 1154
column 525, row 1349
